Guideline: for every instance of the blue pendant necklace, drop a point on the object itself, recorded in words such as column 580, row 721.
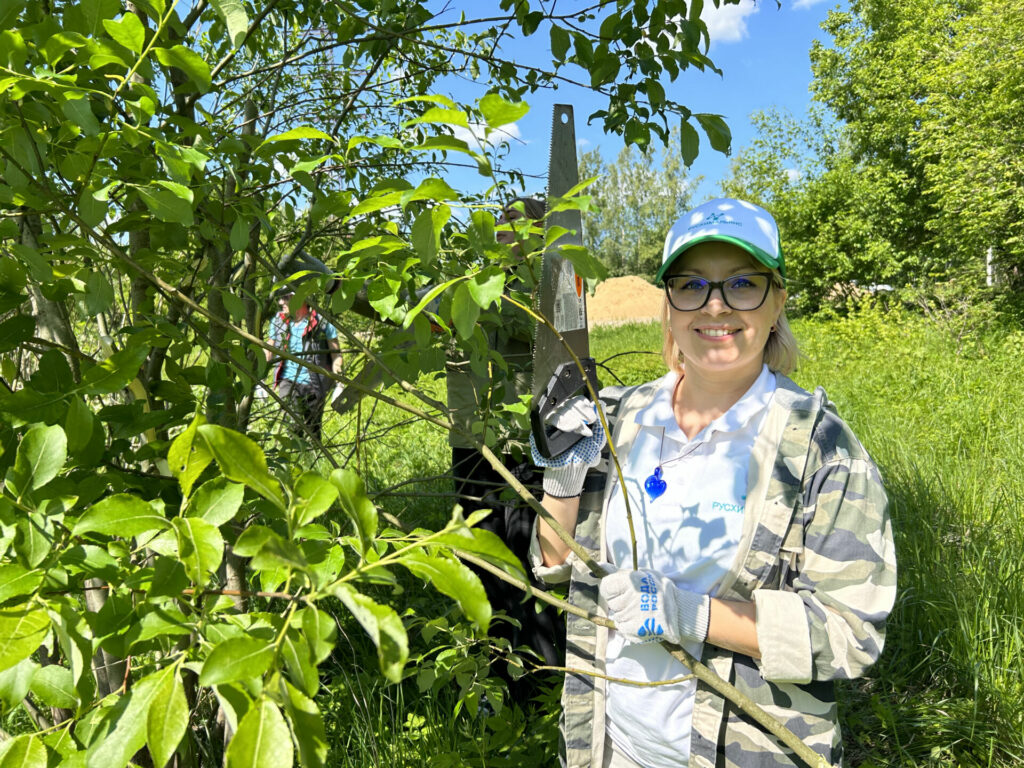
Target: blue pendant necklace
column 655, row 484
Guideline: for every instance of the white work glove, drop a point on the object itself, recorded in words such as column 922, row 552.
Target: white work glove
column 647, row 607
column 564, row 473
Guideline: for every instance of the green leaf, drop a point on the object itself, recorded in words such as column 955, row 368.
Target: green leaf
column 485, row 288
column 307, row 725
column 167, row 205
column 16, row 580
column 262, row 740
column 16, row 681
column 235, row 19
column 216, row 501
column 252, row 539
column 200, row 547
column 25, row 751
column 129, row 32
column 425, row 240
column 41, row 456
column 79, row 111
column 188, row 62
column 717, row 131
column 54, row 685
column 319, row 629
column 120, row 515
column 498, row 112
column 302, row 132
column 465, row 312
column 429, row 189
column 188, row 457
column 16, row 330
column 453, row 579
column 124, row 727
column 179, row 190
column 239, row 237
column 299, row 662
column 99, row 293
column 383, row 626
column 689, row 142
column 114, row 373
column 559, row 42
column 356, row 504
column 484, row 543
column 428, row 297
column 240, row 658
column 33, row 541
column 22, row 630
column 313, row 496
column 241, row 460
column 167, row 719
column 162, row 620
column 583, row 261
column 440, row 116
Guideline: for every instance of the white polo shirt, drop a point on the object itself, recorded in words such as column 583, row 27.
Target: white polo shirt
column 690, row 534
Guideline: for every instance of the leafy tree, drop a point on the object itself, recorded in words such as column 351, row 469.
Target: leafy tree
column 162, row 168
column 637, row 198
column 911, row 174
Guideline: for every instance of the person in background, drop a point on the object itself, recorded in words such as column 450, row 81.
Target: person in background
column 762, row 536
column 479, row 486
column 311, row 338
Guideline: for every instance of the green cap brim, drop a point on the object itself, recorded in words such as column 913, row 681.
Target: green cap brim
column 762, row 256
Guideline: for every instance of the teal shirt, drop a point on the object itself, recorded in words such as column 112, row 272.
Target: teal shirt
column 292, row 370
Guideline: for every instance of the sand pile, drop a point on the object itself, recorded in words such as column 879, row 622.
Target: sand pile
column 621, row 300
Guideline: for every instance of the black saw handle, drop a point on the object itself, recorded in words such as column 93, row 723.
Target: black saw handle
column 565, row 382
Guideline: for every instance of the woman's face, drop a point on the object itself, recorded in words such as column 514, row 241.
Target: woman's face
column 507, row 237
column 718, row 342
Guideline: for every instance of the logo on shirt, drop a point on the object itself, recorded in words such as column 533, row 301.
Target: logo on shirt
column 725, row 506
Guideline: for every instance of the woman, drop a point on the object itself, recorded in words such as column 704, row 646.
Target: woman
column 763, row 543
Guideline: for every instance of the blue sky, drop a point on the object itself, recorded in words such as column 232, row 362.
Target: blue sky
column 762, row 50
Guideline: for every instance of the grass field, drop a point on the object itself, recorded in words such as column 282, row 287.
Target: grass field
column 939, row 413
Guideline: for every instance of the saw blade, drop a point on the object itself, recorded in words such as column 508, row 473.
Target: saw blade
column 562, row 298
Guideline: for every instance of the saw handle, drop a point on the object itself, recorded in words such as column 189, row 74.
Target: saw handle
column 566, row 382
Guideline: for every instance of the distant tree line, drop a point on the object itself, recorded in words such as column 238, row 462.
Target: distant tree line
column 907, row 172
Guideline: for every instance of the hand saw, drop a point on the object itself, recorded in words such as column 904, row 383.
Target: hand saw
column 562, row 299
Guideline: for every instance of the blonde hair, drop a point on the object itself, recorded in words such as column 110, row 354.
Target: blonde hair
column 780, row 351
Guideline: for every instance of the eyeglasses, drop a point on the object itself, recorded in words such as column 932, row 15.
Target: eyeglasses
column 742, row 293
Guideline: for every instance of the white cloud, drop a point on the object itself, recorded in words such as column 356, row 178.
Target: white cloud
column 474, row 135
column 582, row 143
column 793, row 175
column 728, row 23
column 804, row 4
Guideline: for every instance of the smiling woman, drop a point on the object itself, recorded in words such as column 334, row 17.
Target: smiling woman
column 749, row 527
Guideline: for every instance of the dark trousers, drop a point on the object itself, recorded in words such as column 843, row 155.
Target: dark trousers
column 479, row 486
column 307, row 400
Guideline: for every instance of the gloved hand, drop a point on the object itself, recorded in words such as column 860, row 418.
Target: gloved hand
column 564, row 473
column 647, row 607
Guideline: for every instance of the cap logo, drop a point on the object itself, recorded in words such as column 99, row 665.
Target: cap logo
column 714, row 218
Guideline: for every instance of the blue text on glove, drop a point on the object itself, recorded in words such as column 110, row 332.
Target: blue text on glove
column 648, row 594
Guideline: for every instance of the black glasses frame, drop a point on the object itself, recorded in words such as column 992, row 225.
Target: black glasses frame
column 711, row 285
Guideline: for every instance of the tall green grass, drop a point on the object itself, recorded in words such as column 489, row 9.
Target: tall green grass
column 940, row 415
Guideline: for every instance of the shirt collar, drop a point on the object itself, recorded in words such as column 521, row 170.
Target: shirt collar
column 658, row 413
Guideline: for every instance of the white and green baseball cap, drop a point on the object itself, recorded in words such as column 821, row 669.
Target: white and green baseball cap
column 725, row 220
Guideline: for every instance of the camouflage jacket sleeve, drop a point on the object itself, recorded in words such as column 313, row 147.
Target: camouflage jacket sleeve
column 827, row 621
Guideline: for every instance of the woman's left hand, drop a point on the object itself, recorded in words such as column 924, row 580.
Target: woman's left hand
column 647, row 607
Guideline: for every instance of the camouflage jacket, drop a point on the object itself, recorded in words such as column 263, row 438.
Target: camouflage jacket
column 816, row 557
